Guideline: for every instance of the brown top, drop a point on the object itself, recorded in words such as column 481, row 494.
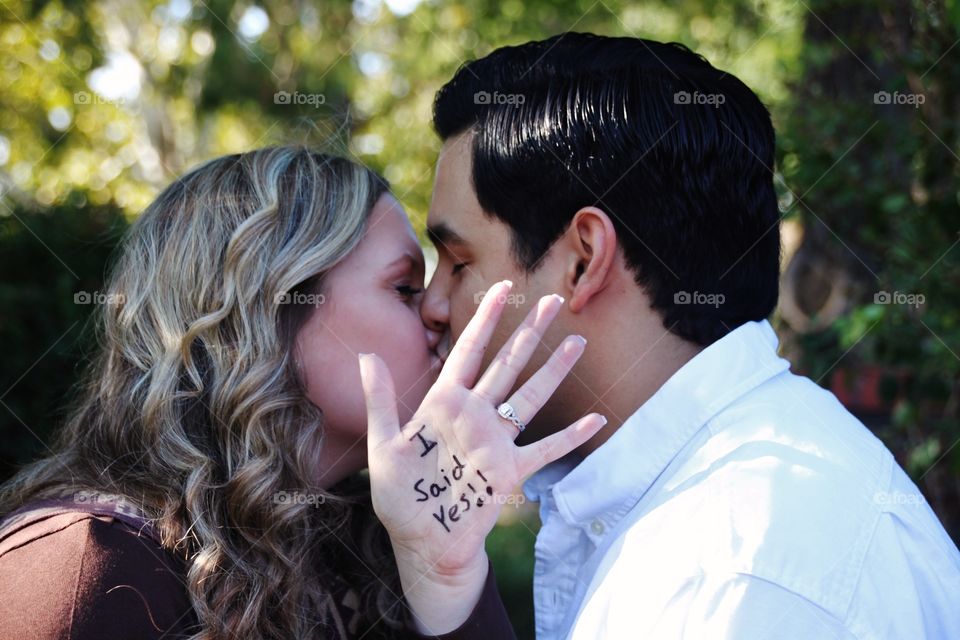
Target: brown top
column 94, row 570
column 79, row 575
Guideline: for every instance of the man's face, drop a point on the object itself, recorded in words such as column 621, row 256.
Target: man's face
column 474, row 253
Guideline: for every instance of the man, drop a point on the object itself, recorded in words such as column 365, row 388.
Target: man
column 728, row 497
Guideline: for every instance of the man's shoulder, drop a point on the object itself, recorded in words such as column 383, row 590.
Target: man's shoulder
column 788, row 488
column 783, row 488
column 800, row 438
column 784, row 501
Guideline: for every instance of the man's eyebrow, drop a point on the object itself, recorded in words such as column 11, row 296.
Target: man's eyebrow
column 442, row 235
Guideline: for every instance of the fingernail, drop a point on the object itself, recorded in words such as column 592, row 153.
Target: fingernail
column 560, row 298
column 584, row 340
column 508, row 283
column 603, row 417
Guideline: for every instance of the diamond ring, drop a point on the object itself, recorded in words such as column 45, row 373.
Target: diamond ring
column 507, row 412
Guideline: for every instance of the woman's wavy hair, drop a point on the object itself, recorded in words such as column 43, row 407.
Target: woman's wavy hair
column 194, row 409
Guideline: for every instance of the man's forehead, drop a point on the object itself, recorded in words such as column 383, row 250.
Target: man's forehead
column 458, row 146
column 455, row 161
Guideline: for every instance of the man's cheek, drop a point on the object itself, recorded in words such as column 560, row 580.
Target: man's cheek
column 461, row 311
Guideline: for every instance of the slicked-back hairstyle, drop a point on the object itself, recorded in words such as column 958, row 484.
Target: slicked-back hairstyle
column 678, row 153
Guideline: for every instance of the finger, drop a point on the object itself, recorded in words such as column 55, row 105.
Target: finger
column 535, row 456
column 464, row 360
column 499, row 378
column 530, row 398
column 383, row 422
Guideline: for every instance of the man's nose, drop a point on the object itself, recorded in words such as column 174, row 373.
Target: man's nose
column 435, row 308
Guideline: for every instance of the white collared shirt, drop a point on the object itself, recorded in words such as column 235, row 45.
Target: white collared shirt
column 740, row 501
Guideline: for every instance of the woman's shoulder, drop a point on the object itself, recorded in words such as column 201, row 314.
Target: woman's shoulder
column 75, row 574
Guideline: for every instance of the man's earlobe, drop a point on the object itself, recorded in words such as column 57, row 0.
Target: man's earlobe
column 594, row 243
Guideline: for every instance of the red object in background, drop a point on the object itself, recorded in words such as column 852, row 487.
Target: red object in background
column 859, row 388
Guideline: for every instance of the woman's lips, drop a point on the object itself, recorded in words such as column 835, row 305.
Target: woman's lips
column 443, row 348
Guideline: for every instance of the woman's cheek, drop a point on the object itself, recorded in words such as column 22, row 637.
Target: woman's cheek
column 413, row 367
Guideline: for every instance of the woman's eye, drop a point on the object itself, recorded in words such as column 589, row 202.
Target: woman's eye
column 458, row 267
column 407, row 291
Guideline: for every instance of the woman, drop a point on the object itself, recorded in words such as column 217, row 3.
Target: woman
column 207, row 482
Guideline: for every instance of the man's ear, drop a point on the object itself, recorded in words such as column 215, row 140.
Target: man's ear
column 593, row 243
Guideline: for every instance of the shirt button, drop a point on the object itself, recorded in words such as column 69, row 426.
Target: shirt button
column 597, row 527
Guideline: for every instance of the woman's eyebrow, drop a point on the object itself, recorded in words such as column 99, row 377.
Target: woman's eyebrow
column 412, row 259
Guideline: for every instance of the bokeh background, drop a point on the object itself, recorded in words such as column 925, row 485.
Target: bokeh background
column 103, row 103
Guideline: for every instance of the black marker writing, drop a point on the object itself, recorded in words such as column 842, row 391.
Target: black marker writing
column 446, row 515
column 440, row 517
column 416, row 487
column 427, row 444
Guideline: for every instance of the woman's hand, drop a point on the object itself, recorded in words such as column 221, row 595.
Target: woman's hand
column 439, row 482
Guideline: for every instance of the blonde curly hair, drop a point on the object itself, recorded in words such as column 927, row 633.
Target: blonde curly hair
column 193, row 407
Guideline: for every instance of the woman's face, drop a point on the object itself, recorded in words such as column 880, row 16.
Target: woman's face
column 370, row 304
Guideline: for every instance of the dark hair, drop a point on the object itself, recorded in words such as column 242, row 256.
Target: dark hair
column 678, row 153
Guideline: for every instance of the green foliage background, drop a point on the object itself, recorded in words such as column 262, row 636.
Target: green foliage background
column 869, row 190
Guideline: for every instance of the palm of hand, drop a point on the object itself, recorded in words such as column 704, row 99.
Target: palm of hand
column 439, row 482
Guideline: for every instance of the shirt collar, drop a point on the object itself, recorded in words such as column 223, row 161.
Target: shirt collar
column 613, row 478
